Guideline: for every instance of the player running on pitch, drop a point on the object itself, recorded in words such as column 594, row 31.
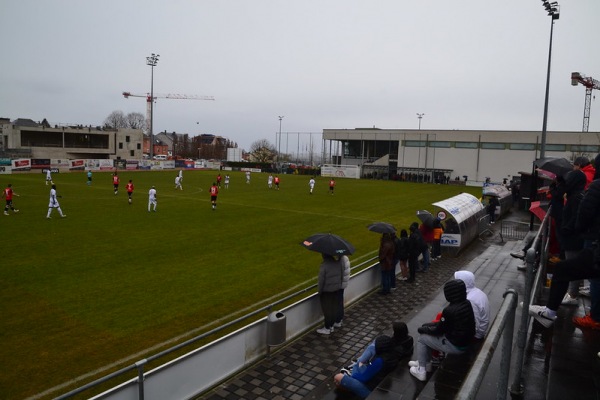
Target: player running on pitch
column 8, row 195
column 311, row 184
column 54, row 203
column 152, row 198
column 214, row 191
column 129, row 187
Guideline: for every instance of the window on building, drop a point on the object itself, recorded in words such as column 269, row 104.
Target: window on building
column 522, row 146
column 582, row 148
column 415, row 143
column 120, row 145
column 439, row 144
column 132, row 153
column 493, row 146
column 139, row 146
column 556, row 147
column 127, row 139
column 466, row 145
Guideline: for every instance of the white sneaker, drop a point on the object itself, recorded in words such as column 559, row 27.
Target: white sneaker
column 418, row 373
column 337, row 324
column 324, row 331
column 64, row 216
column 428, row 366
column 540, row 314
column 569, row 301
column 584, row 291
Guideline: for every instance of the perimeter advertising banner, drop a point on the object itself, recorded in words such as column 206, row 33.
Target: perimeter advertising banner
column 5, row 169
column 77, row 164
column 341, row 171
column 21, row 164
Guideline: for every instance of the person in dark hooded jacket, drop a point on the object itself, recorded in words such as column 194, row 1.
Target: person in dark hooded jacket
column 451, row 334
column 572, row 242
column 382, row 360
column 586, row 265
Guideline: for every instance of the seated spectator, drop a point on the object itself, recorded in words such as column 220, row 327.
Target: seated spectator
column 378, row 359
column 451, row 334
column 479, row 301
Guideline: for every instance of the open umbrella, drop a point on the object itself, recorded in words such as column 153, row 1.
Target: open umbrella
column 328, row 243
column 382, row 227
column 426, row 217
column 539, row 209
column 557, row 166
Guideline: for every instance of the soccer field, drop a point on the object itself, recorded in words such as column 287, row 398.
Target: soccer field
column 112, row 280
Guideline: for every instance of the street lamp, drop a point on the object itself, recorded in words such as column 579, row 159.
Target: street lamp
column 420, row 115
column 152, row 61
column 279, row 148
column 553, row 10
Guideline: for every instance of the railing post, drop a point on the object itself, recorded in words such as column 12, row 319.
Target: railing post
column 507, row 341
column 140, row 367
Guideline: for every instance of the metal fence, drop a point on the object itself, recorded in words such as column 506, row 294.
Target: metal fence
column 513, row 230
column 503, row 325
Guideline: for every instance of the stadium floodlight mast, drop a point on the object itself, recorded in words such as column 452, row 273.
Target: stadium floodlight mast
column 420, row 116
column 279, row 148
column 152, row 61
column 553, row 10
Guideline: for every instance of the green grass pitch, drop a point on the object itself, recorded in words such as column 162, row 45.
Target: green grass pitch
column 112, row 280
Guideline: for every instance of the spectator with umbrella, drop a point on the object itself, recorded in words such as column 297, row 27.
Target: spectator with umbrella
column 333, row 249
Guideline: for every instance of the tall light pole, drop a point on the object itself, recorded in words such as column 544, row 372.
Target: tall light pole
column 420, row 115
column 553, row 10
column 279, row 148
column 152, row 61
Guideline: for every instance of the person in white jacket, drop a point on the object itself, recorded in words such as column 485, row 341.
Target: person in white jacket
column 479, row 302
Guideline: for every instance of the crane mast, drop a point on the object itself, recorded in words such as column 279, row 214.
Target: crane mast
column 590, row 84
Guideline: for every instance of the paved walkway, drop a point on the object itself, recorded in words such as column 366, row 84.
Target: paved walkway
column 304, row 368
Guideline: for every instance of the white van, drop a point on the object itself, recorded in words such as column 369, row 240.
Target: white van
column 160, row 157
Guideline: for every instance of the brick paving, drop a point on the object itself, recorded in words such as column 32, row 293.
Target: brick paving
column 304, row 368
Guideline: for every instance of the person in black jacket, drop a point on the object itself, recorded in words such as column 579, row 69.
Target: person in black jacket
column 586, row 265
column 415, row 242
column 451, row 334
column 572, row 242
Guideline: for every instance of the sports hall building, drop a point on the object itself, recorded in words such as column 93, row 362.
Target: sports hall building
column 449, row 155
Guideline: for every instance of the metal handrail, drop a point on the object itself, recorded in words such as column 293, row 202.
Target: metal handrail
column 502, row 327
column 139, row 365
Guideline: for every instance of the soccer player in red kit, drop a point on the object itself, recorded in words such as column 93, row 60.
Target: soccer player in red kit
column 8, row 195
column 116, row 183
column 214, row 191
column 331, row 185
column 129, row 188
column 276, row 182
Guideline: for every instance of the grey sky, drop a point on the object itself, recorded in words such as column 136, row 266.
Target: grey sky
column 466, row 64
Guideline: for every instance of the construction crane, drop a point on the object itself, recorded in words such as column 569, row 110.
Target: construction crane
column 163, row 96
column 590, row 84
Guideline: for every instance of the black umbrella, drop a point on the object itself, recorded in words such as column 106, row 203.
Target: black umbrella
column 328, row 243
column 382, row 227
column 558, row 166
column 426, row 217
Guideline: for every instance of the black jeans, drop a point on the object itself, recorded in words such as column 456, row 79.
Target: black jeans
column 577, row 268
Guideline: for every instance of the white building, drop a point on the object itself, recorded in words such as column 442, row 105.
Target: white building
column 477, row 155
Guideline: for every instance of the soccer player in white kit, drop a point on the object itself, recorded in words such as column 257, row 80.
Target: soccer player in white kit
column 226, row 181
column 152, row 198
column 247, row 176
column 270, row 181
column 48, row 176
column 178, row 183
column 54, row 203
column 311, row 184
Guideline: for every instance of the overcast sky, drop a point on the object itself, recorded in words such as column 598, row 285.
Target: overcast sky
column 465, row 64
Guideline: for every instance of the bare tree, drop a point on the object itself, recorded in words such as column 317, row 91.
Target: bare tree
column 136, row 120
column 262, row 151
column 116, row 120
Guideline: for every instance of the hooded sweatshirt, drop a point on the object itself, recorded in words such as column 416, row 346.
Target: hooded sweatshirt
column 479, row 302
